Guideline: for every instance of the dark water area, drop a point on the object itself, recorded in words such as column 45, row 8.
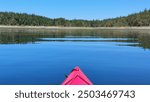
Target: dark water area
column 44, row 57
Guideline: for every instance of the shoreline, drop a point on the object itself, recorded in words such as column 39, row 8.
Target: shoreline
column 69, row 28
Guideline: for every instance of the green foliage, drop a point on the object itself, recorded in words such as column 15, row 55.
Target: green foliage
column 137, row 19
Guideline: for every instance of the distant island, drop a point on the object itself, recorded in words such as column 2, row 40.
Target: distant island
column 22, row 19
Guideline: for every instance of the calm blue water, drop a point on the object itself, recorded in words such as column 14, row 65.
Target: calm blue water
column 46, row 60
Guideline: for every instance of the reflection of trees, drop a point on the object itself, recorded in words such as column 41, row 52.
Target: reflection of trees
column 16, row 38
column 144, row 41
column 142, row 37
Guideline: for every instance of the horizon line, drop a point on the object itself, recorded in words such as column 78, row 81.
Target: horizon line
column 73, row 18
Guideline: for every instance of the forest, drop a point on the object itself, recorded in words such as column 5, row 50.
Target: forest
column 22, row 19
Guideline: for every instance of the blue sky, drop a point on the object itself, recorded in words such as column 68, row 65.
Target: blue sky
column 76, row 9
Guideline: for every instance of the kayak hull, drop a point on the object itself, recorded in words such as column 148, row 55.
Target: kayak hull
column 77, row 77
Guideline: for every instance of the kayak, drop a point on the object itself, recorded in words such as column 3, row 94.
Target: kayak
column 77, row 77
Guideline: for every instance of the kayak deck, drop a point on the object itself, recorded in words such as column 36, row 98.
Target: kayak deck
column 77, row 77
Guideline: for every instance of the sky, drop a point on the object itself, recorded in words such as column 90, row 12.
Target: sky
column 76, row 9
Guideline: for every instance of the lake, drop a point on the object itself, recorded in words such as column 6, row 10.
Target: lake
column 44, row 57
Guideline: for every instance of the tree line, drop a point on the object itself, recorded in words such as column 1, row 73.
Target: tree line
column 22, row 19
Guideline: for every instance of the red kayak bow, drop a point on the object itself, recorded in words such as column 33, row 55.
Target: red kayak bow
column 77, row 77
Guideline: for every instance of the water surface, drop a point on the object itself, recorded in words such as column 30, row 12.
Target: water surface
column 107, row 57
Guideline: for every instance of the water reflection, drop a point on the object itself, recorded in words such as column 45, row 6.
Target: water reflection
column 137, row 38
column 40, row 57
